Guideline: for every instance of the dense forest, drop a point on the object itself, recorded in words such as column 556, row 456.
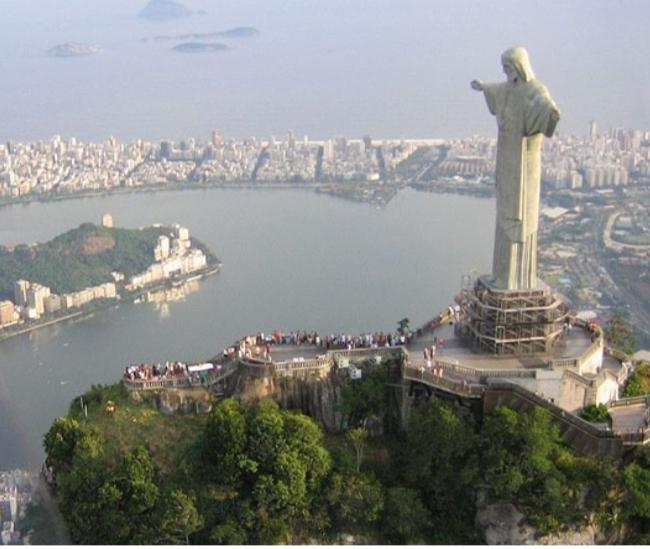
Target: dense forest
column 251, row 474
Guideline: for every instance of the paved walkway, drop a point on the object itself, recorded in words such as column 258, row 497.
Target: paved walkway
column 455, row 351
column 628, row 419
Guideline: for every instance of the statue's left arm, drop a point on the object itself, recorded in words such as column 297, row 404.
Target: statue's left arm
column 542, row 114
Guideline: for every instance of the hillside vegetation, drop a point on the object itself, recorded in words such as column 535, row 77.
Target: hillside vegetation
column 79, row 258
column 257, row 474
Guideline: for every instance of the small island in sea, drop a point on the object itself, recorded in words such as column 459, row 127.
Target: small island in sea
column 236, row 32
column 200, row 47
column 164, row 10
column 73, row 49
column 91, row 267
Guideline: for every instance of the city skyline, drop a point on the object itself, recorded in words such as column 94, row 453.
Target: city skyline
column 616, row 157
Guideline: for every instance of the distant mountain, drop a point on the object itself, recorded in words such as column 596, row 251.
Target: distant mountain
column 237, row 32
column 72, row 49
column 240, row 32
column 164, row 10
column 199, row 47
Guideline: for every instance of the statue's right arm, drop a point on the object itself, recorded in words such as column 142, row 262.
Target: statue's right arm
column 493, row 92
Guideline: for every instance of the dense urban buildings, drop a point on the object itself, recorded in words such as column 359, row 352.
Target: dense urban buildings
column 618, row 157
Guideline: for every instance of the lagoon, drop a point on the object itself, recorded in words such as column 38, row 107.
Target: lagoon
column 292, row 259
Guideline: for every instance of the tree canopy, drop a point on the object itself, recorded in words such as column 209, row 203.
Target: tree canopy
column 257, row 474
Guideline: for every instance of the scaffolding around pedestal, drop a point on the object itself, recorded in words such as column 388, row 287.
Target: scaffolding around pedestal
column 510, row 322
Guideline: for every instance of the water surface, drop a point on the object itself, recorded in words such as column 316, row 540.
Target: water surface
column 291, row 260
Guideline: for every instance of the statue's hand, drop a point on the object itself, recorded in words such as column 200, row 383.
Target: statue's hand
column 476, row 85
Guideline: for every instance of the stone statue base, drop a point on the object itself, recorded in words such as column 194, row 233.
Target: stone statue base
column 511, row 322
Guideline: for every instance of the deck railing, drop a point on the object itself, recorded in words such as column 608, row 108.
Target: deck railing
column 561, row 414
column 630, row 401
column 427, row 377
column 184, row 381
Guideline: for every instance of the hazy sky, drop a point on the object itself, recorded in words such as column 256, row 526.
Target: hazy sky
column 388, row 68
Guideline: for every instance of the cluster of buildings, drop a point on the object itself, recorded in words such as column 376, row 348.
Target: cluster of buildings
column 473, row 158
column 290, row 159
column 32, row 300
column 68, row 166
column 615, row 158
column 173, row 257
column 610, row 159
column 60, row 166
column 16, row 489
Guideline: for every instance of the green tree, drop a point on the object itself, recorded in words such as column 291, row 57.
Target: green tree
column 91, row 504
column 305, row 437
column 177, row 519
column 63, row 439
column 354, row 502
column 403, row 326
column 439, row 459
column 367, row 396
column 521, row 452
column 357, row 437
column 595, row 413
column 619, row 334
column 636, row 478
column 275, row 464
column 405, row 518
column 265, row 428
column 111, row 501
column 639, row 382
column 223, row 443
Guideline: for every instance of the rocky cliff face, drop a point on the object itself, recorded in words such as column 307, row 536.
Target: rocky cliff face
column 318, row 396
column 504, row 524
column 173, row 401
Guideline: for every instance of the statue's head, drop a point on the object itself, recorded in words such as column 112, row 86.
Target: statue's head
column 516, row 65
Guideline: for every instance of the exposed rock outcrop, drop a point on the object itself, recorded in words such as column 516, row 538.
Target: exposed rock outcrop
column 318, row 396
column 172, row 401
column 503, row 524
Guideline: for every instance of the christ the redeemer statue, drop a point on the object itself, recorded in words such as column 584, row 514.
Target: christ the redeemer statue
column 525, row 113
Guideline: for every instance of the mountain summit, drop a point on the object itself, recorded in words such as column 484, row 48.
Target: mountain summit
column 164, row 10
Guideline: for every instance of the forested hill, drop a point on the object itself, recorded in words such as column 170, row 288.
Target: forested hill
column 79, row 258
column 125, row 473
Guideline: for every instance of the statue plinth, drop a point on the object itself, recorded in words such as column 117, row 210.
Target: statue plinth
column 511, row 322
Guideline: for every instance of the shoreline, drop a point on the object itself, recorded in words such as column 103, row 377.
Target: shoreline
column 175, row 187
column 438, row 187
column 88, row 311
column 34, row 327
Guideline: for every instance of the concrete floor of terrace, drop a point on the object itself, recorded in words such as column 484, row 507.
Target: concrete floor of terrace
column 455, row 350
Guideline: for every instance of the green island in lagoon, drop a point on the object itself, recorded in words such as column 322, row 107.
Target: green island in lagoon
column 93, row 267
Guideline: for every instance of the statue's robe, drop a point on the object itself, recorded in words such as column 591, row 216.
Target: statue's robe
column 524, row 114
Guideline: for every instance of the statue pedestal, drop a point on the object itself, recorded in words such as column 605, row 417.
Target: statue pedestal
column 511, row 322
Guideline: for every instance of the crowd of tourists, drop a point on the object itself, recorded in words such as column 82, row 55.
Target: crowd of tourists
column 162, row 371
column 158, row 370
column 260, row 345
column 335, row 341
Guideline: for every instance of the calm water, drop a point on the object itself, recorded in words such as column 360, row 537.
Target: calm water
column 291, row 259
column 342, row 67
